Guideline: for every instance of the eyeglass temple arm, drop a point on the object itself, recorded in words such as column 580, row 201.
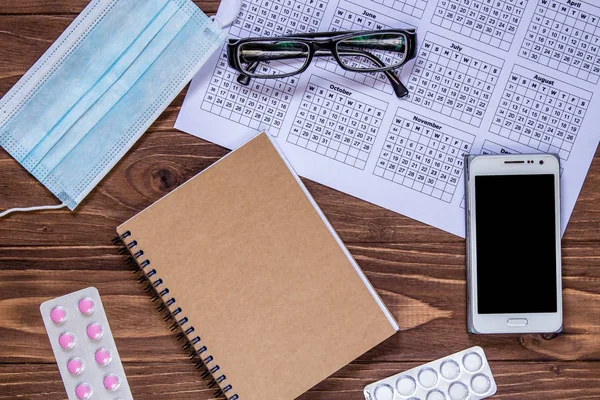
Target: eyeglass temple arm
column 398, row 86
column 244, row 79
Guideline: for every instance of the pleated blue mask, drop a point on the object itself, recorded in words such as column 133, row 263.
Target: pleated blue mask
column 90, row 97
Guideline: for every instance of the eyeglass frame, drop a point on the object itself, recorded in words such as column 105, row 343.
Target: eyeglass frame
column 314, row 44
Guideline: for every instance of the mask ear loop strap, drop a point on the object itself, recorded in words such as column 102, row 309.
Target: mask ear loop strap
column 18, row 209
column 224, row 24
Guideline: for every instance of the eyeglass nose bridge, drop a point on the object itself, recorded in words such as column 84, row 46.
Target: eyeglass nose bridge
column 322, row 44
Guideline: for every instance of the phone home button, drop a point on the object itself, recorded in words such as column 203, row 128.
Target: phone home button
column 517, row 322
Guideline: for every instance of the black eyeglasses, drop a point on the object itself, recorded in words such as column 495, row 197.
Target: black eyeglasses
column 358, row 51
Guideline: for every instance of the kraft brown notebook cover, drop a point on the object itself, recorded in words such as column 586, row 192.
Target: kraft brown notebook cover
column 271, row 291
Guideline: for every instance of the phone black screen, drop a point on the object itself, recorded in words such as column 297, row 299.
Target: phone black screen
column 516, row 244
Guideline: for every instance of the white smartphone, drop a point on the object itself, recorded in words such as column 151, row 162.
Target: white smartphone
column 513, row 243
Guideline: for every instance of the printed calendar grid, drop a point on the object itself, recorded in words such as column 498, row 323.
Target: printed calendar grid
column 490, row 147
column 333, row 123
column 538, row 114
column 410, row 7
column 565, row 38
column 446, row 80
column 278, row 17
column 264, row 103
column 347, row 20
column 493, row 22
column 418, row 155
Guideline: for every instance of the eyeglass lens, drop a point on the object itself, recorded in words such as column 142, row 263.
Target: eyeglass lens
column 372, row 51
column 276, row 57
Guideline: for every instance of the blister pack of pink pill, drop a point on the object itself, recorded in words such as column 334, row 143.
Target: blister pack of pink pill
column 84, row 347
column 465, row 375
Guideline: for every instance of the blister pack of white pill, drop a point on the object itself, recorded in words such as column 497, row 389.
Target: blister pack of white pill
column 465, row 375
column 84, row 347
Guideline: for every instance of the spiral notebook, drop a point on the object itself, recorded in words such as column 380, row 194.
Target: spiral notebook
column 257, row 279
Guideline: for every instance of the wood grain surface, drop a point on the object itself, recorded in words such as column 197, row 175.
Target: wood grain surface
column 418, row 270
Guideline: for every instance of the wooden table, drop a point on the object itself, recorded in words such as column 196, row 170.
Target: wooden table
column 418, row 270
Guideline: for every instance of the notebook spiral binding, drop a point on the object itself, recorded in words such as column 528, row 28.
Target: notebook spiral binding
column 155, row 288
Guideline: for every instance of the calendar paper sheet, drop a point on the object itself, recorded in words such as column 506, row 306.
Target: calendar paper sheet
column 490, row 76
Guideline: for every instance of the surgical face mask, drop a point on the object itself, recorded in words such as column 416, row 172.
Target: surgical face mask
column 90, row 97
